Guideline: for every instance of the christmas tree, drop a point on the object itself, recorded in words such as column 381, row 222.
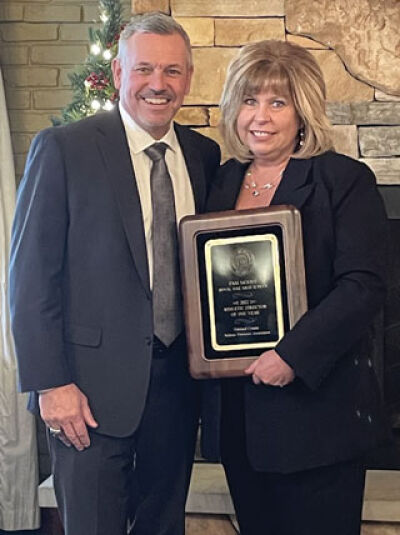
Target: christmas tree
column 92, row 83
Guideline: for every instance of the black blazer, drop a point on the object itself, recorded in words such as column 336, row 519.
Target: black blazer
column 332, row 410
column 80, row 301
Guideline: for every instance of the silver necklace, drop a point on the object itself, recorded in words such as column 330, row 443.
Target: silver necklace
column 253, row 187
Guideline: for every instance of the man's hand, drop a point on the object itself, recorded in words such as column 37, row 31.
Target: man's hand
column 270, row 369
column 67, row 408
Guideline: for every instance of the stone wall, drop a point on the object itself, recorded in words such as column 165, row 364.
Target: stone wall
column 366, row 120
column 42, row 40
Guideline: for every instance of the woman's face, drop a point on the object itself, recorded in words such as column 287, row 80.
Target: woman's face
column 268, row 125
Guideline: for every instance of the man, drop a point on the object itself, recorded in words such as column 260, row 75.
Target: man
column 93, row 260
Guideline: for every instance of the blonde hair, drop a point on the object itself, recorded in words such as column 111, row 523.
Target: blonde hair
column 284, row 68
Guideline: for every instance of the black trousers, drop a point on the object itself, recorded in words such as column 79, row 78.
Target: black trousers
column 142, row 478
column 322, row 501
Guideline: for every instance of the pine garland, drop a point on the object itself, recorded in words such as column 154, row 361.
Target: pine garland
column 92, row 83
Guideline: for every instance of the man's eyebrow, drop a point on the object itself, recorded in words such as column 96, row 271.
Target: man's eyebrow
column 167, row 66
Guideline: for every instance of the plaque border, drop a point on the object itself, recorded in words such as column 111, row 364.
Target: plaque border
column 285, row 216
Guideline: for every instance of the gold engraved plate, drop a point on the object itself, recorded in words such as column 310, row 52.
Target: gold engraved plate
column 244, row 292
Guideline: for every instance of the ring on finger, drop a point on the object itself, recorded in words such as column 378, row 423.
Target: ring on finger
column 54, row 431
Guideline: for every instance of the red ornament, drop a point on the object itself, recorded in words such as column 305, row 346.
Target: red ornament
column 97, row 81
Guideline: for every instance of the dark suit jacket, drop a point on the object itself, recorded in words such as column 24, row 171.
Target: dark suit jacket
column 81, row 304
column 332, row 410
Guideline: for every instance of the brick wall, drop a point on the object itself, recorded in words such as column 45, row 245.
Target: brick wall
column 41, row 41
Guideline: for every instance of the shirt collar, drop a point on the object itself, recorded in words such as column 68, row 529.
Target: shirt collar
column 139, row 139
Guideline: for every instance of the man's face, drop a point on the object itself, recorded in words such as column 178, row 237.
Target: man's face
column 153, row 77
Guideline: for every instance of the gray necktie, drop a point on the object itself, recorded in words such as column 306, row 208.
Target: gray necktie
column 167, row 300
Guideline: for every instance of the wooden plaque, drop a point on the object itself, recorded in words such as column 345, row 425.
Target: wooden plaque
column 243, row 285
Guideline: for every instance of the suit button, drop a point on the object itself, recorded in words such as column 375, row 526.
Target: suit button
column 358, row 413
column 369, row 418
column 356, row 361
column 370, row 363
column 148, row 340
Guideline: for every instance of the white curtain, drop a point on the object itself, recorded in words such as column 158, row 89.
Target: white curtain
column 18, row 455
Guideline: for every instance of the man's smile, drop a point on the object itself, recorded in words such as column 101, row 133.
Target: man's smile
column 156, row 100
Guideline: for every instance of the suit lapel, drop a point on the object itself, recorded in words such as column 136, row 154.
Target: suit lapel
column 194, row 166
column 114, row 149
column 225, row 189
column 294, row 187
column 236, row 177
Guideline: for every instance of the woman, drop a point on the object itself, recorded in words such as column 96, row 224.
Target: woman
column 293, row 455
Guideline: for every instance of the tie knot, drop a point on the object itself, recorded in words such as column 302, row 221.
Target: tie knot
column 156, row 151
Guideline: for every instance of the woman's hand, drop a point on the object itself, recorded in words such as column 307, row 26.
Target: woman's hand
column 270, row 369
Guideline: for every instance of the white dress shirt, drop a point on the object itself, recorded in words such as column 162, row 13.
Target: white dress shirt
column 138, row 141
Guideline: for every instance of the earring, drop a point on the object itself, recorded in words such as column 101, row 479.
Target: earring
column 302, row 135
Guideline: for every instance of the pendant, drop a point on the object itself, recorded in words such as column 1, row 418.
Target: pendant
column 255, row 193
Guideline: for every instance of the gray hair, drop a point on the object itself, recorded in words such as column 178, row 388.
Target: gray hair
column 154, row 22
